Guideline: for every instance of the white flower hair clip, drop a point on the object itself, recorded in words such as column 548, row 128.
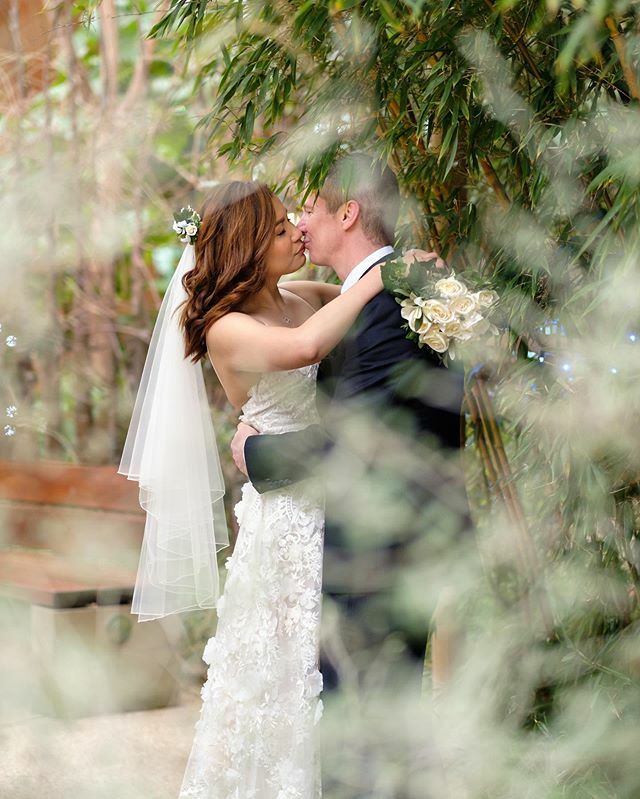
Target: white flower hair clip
column 187, row 224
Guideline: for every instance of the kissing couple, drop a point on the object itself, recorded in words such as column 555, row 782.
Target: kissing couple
column 349, row 434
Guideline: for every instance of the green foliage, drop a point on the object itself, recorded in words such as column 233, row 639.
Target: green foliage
column 451, row 94
column 98, row 178
column 513, row 128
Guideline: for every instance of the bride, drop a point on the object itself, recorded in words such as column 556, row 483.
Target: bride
column 260, row 702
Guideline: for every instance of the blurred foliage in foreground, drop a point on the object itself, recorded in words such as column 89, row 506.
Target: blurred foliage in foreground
column 97, row 150
column 514, row 130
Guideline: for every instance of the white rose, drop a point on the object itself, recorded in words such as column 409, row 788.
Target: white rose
column 450, row 287
column 191, row 229
column 475, row 325
column 411, row 312
column 464, row 304
column 425, row 327
column 463, row 335
column 437, row 311
column 451, row 328
column 177, row 228
column 472, row 320
column 485, row 298
column 436, row 340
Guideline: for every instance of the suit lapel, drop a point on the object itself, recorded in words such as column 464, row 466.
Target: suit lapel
column 331, row 367
column 389, row 257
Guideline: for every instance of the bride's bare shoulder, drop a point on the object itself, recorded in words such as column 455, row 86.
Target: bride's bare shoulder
column 231, row 322
column 229, row 325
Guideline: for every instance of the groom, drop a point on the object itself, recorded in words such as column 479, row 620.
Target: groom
column 388, row 446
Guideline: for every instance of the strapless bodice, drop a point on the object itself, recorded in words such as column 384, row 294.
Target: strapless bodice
column 281, row 402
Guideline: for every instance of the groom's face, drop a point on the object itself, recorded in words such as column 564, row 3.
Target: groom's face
column 323, row 231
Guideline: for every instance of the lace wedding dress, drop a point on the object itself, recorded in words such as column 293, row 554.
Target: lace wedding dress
column 255, row 735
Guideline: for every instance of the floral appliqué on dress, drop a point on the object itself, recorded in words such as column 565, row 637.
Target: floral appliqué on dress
column 255, row 735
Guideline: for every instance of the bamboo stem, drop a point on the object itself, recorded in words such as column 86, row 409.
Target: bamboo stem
column 495, row 458
column 516, row 39
column 77, row 317
column 51, row 376
column 16, row 41
column 494, row 181
column 618, row 42
column 489, row 469
column 503, row 469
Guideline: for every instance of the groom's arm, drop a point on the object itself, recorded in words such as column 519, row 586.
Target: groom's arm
column 276, row 461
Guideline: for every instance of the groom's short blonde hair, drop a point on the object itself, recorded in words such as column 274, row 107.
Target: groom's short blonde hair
column 373, row 186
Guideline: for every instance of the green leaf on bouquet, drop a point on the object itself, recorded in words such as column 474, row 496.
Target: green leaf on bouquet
column 420, row 275
column 398, row 278
column 394, row 277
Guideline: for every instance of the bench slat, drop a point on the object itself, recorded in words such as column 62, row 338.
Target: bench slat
column 56, row 483
column 44, row 578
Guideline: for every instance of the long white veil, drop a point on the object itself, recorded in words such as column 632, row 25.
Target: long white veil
column 171, row 451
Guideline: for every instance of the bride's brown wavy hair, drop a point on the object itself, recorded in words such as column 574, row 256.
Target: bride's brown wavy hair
column 236, row 231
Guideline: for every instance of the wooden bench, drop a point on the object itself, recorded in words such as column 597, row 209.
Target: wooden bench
column 83, row 512
column 70, row 539
column 54, row 581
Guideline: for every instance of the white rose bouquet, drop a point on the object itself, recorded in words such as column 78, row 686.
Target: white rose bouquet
column 186, row 224
column 441, row 311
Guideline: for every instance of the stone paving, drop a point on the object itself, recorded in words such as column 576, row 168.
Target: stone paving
column 98, row 754
column 134, row 755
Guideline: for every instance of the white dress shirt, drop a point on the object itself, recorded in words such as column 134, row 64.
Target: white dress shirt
column 356, row 273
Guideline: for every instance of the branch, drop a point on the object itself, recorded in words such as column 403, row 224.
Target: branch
column 138, row 83
column 516, row 40
column 77, row 72
column 618, row 42
column 109, row 47
column 18, row 49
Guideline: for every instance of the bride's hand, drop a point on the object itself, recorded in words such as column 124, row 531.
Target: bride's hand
column 409, row 256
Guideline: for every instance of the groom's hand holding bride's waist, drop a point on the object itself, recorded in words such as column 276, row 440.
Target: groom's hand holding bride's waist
column 243, row 432
column 295, row 449
column 282, row 458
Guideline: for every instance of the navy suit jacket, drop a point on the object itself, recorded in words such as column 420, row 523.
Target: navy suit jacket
column 377, row 366
column 375, row 379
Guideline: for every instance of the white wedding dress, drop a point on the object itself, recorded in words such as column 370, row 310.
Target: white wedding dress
column 255, row 735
